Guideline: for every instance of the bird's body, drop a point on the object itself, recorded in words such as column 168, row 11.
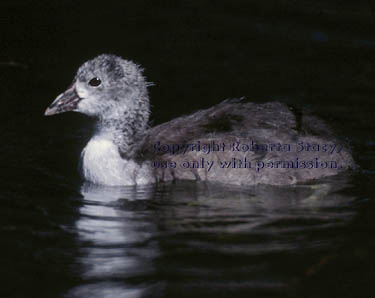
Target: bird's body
column 244, row 143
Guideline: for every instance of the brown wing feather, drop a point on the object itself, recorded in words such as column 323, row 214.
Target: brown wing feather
column 234, row 121
column 234, row 117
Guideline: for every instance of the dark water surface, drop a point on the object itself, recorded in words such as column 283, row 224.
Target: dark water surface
column 61, row 237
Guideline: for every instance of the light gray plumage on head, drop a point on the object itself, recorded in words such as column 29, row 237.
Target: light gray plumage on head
column 120, row 102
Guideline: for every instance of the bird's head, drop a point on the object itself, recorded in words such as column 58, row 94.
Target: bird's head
column 104, row 86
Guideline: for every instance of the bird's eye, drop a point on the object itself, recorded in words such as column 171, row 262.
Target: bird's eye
column 95, row 82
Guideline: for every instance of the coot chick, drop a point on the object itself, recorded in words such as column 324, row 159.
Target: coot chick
column 232, row 142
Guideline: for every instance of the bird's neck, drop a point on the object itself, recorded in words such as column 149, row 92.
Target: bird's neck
column 126, row 129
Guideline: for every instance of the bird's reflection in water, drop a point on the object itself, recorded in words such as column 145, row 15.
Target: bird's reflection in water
column 114, row 248
column 168, row 240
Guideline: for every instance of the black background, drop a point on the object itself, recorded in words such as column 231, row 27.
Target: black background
column 319, row 54
column 197, row 53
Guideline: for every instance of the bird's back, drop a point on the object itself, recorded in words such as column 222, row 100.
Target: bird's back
column 244, row 144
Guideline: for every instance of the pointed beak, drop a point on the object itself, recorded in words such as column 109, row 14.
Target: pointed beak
column 65, row 102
